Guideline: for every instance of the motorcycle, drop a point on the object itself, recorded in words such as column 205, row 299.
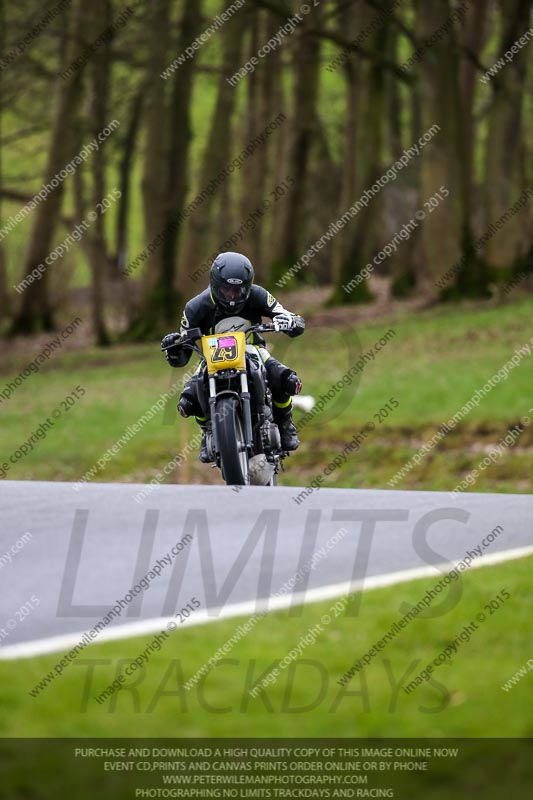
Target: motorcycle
column 242, row 439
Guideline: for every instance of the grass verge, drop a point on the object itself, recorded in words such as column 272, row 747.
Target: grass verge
column 463, row 697
column 433, row 364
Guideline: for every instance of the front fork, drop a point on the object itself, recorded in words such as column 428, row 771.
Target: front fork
column 247, row 413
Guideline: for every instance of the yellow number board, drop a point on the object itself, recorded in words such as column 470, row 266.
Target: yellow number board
column 224, row 351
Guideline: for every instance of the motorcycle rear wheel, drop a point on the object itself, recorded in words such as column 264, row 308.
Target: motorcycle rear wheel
column 233, row 452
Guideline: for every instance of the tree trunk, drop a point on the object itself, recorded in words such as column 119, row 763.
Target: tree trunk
column 100, row 16
column 254, row 188
column 504, row 168
column 306, row 67
column 35, row 312
column 350, row 164
column 325, row 183
column 473, row 39
column 216, row 157
column 178, row 165
column 443, row 159
column 165, row 181
column 528, row 171
column 4, row 296
column 125, row 175
column 149, row 322
column 394, row 103
column 274, row 101
column 369, row 152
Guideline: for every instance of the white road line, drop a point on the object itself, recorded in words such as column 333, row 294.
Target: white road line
column 249, row 608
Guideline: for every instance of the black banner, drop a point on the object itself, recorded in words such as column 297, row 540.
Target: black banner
column 116, row 769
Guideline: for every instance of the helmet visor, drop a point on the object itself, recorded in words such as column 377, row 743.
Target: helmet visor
column 234, row 294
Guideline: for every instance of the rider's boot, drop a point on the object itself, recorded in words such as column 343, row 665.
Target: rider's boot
column 204, row 456
column 186, row 409
column 287, row 429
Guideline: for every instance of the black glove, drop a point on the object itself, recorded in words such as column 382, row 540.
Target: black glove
column 174, row 354
column 169, row 340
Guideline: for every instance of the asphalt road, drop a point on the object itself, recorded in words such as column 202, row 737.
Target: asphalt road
column 88, row 548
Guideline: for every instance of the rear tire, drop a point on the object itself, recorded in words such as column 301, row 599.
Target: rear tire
column 233, row 452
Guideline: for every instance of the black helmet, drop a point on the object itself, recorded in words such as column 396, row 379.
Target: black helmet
column 232, row 276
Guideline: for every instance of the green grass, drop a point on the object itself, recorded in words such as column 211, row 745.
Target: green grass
column 433, row 365
column 463, row 699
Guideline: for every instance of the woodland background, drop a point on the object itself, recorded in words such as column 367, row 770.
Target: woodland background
column 453, row 314
column 351, row 109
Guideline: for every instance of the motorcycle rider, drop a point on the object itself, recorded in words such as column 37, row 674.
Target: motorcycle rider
column 232, row 292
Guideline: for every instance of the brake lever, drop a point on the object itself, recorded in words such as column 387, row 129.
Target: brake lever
column 174, row 343
column 182, row 344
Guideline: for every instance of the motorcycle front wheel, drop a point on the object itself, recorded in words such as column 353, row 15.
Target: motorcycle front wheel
column 231, row 440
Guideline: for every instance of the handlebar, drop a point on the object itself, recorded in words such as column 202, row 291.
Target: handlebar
column 266, row 327
column 262, row 328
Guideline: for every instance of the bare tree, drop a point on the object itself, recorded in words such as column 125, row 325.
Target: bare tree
column 443, row 158
column 216, row 156
column 99, row 16
column 505, row 154
column 367, row 92
column 306, row 66
column 166, row 162
column 35, row 312
column 4, row 297
column 125, row 181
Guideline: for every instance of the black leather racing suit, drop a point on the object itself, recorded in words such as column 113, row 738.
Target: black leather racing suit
column 202, row 312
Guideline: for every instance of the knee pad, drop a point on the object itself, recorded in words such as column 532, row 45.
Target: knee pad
column 283, row 381
column 189, row 404
column 290, row 382
column 186, row 407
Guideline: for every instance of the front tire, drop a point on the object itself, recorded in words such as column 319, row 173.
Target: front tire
column 232, row 443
